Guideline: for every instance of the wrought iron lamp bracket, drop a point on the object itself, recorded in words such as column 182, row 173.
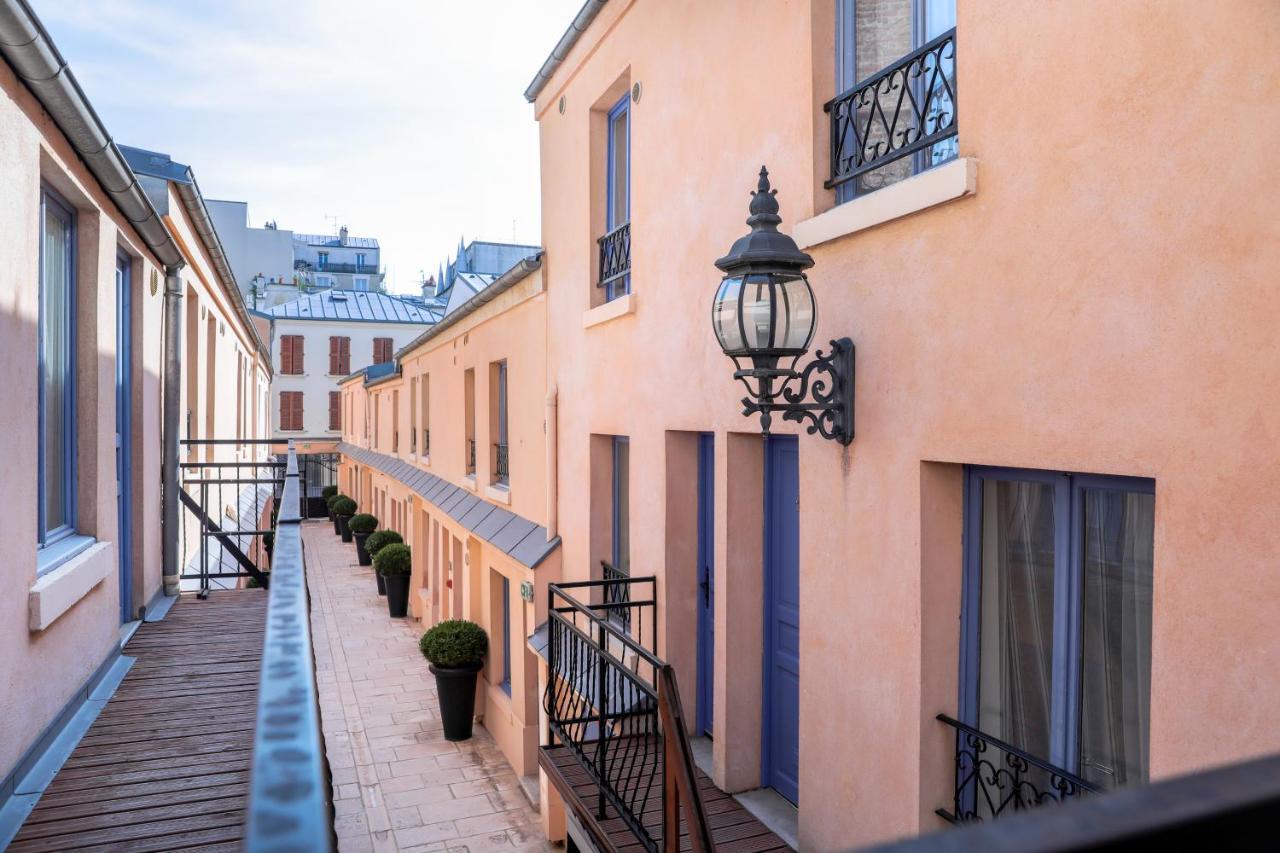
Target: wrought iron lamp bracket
column 819, row 396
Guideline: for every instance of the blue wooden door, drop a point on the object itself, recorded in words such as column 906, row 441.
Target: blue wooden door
column 706, row 581
column 124, row 454
column 780, row 751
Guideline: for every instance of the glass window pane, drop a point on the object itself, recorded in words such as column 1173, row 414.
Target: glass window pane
column 622, row 505
column 1016, row 621
column 55, row 324
column 1115, row 677
column 619, row 184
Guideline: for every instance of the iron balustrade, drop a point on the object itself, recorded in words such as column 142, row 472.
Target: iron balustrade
column 615, row 255
column 426, row 442
column 616, row 591
column 896, row 112
column 615, row 706
column 993, row 777
column 358, row 269
column 290, row 783
column 500, row 463
column 413, row 441
column 315, row 471
column 471, row 455
column 228, row 505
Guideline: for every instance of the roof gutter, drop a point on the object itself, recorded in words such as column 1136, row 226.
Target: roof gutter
column 577, row 27
column 501, row 285
column 27, row 48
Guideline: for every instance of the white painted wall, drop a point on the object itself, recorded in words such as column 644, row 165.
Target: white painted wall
column 315, row 382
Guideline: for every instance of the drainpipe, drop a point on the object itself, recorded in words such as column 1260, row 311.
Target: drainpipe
column 170, row 532
column 552, row 478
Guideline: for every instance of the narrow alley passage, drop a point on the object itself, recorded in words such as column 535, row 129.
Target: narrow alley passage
column 398, row 784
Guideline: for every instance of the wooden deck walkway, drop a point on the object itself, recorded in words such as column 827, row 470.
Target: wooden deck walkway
column 165, row 766
column 733, row 828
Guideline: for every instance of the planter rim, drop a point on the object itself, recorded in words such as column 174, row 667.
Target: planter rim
column 449, row 671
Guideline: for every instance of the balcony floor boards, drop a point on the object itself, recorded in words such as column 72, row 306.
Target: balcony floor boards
column 165, row 766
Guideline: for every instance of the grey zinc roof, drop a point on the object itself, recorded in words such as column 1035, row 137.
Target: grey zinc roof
column 521, row 539
column 358, row 305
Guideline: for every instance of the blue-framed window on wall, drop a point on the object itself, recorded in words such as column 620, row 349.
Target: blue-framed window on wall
column 622, row 504
column 56, row 515
column 871, row 36
column 618, row 185
column 1056, row 618
column 506, row 635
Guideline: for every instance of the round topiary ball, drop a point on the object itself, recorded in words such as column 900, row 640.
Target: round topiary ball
column 363, row 523
column 379, row 539
column 393, row 559
column 454, row 643
column 328, row 492
column 343, row 505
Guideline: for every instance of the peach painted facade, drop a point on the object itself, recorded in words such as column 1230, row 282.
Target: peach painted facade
column 1096, row 295
column 443, row 394
column 62, row 618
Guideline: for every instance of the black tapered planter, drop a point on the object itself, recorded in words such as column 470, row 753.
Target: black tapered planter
column 382, row 584
column 456, row 691
column 361, row 553
column 336, row 529
column 343, row 528
column 397, row 594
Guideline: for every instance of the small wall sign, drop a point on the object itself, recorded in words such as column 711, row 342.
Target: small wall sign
column 526, row 591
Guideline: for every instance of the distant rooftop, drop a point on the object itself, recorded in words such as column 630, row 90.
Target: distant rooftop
column 356, row 305
column 335, row 241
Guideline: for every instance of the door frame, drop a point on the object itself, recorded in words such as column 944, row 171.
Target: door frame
column 124, row 433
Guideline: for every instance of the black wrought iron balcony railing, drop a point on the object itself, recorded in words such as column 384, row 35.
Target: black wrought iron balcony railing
column 413, row 441
column 426, row 442
column 616, row 594
column 471, row 456
column 615, row 258
column 332, row 266
column 993, row 778
column 896, row 112
column 501, row 471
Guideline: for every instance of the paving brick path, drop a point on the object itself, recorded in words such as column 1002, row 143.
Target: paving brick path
column 398, row 784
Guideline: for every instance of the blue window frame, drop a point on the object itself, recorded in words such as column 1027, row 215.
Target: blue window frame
column 929, row 19
column 322, row 260
column 56, row 516
column 1056, row 617
column 622, row 504
column 359, row 259
column 506, row 635
column 618, row 183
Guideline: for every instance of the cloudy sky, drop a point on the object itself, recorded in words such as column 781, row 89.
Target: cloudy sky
column 402, row 119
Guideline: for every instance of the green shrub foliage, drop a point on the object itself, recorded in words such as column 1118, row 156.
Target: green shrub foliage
column 363, row 523
column 254, row 583
column 328, row 492
column 343, row 505
column 380, row 539
column 454, row 642
column 330, row 499
column 393, row 559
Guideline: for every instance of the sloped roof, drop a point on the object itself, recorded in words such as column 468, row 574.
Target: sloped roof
column 356, row 305
column 465, row 286
column 336, row 242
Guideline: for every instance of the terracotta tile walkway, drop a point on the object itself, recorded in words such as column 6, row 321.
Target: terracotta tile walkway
column 398, row 784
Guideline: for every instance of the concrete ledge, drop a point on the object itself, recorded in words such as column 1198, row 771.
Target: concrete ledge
column 57, row 591
column 936, row 186
column 611, row 310
column 498, row 494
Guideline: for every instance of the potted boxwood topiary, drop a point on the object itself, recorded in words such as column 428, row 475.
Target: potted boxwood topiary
column 325, row 494
column 456, row 650
column 329, row 503
column 375, row 543
column 361, row 526
column 393, row 564
column 343, row 509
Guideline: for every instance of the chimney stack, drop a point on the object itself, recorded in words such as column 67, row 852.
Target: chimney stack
column 342, row 235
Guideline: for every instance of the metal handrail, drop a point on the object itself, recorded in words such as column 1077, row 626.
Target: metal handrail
column 868, row 132
column 501, row 463
column 289, row 786
column 987, row 788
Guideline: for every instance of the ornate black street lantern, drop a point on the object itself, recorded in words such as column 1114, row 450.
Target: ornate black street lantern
column 765, row 313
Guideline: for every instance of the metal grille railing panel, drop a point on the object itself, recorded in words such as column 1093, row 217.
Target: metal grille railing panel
column 615, row 255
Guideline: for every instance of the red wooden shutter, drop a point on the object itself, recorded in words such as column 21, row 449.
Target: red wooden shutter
column 335, row 410
column 297, row 406
column 286, row 413
column 286, row 357
column 381, row 350
column 297, row 360
column 334, row 347
column 344, row 356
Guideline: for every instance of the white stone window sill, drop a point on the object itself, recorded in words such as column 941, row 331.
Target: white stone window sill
column 469, row 482
column 57, row 590
column 936, row 186
column 498, row 493
column 611, row 310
